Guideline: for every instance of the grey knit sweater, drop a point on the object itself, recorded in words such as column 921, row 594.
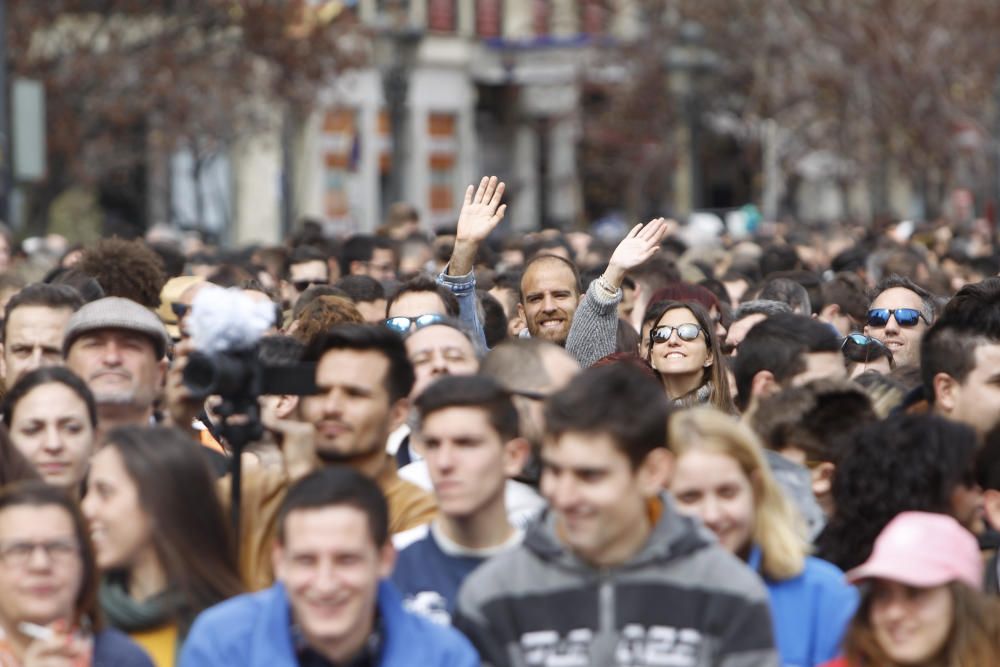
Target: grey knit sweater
column 594, row 331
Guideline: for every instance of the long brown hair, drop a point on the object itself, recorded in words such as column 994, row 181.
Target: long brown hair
column 14, row 466
column 973, row 640
column 720, row 397
column 36, row 493
column 191, row 535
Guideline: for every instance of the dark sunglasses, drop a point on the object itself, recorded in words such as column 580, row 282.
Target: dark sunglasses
column 686, row 332
column 860, row 340
column 404, row 324
column 862, row 349
column 905, row 317
column 180, row 309
column 303, row 285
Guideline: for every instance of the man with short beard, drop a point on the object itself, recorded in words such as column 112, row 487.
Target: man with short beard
column 899, row 315
column 551, row 298
column 586, row 326
column 119, row 349
column 363, row 378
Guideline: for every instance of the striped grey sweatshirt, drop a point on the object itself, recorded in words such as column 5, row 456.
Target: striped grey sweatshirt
column 681, row 601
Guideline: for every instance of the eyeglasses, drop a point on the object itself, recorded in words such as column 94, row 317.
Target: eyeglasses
column 905, row 317
column 18, row 554
column 303, row 285
column 405, row 324
column 180, row 309
column 686, row 332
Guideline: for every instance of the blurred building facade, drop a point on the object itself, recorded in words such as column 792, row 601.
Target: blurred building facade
column 456, row 89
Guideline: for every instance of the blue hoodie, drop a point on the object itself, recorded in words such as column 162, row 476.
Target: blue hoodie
column 810, row 612
column 255, row 630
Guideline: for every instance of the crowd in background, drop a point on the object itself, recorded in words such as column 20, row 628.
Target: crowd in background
column 664, row 445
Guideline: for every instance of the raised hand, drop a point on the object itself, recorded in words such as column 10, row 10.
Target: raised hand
column 640, row 244
column 298, row 443
column 481, row 213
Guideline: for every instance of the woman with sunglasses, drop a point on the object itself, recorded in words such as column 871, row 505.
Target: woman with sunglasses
column 51, row 417
column 684, row 350
column 160, row 534
column 922, row 601
column 721, row 477
column 48, row 585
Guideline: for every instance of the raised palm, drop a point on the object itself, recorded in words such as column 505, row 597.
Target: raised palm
column 641, row 243
column 481, row 210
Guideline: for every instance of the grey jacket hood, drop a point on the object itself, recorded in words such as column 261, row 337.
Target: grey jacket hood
column 673, row 536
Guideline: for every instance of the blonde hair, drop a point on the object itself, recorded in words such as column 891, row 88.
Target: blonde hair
column 778, row 531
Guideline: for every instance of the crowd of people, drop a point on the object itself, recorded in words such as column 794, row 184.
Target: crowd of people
column 664, row 447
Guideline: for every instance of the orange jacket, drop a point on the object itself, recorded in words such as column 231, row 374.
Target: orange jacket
column 261, row 496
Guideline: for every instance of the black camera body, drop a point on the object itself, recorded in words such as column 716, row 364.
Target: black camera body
column 241, row 375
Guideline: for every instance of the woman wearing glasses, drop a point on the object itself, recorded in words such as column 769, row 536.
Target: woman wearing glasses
column 684, row 350
column 160, row 535
column 48, row 585
column 51, row 416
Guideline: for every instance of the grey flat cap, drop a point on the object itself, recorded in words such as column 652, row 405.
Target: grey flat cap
column 114, row 312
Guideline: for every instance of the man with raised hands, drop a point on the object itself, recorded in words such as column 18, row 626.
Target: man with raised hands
column 551, row 304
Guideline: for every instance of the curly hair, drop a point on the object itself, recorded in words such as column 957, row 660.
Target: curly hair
column 905, row 463
column 321, row 314
column 129, row 269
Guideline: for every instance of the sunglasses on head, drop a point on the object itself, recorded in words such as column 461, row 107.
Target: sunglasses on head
column 860, row 340
column 686, row 332
column 405, row 324
column 905, row 317
column 863, row 349
column 303, row 285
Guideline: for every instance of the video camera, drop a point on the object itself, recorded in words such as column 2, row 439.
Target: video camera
column 241, row 373
column 227, row 328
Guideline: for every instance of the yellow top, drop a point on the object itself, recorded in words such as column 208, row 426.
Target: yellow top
column 160, row 644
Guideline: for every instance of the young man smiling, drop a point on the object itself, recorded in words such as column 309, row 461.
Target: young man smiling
column 612, row 575
column 331, row 605
column 468, row 435
column 363, row 378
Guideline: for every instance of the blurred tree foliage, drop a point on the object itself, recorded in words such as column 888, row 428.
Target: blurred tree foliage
column 910, row 86
column 127, row 79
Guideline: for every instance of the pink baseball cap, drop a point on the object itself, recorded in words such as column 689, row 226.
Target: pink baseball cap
column 923, row 550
